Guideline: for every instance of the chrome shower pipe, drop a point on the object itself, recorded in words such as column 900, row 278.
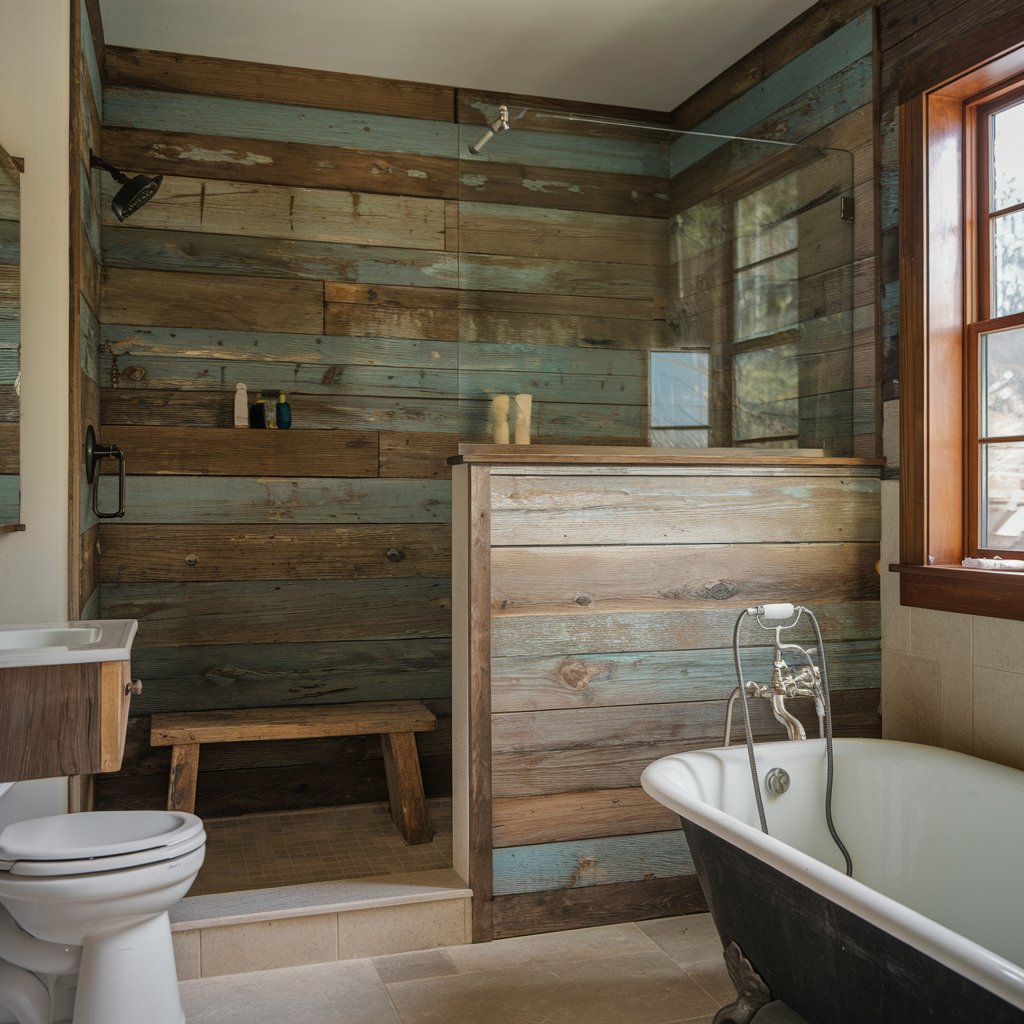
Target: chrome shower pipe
column 499, row 124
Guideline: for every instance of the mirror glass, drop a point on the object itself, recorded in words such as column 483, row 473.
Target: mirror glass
column 10, row 337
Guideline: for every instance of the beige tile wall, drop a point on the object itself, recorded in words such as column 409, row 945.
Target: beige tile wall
column 955, row 681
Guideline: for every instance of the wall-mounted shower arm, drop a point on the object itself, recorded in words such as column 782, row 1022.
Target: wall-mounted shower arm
column 499, row 124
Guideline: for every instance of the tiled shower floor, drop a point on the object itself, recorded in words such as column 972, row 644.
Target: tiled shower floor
column 326, row 844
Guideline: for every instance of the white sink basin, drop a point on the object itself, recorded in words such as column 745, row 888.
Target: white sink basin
column 66, row 643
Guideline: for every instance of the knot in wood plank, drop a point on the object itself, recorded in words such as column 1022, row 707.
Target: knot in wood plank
column 576, row 675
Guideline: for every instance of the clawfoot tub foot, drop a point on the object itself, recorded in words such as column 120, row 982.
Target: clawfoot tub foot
column 751, row 992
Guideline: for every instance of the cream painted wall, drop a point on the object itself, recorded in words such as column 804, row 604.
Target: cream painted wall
column 34, row 124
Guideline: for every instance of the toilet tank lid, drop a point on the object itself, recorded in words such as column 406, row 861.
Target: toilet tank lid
column 95, row 834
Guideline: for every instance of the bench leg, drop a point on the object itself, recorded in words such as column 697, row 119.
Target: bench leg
column 405, row 787
column 181, row 790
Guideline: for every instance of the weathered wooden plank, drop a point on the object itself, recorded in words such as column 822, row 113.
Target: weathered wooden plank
column 275, row 211
column 195, row 451
column 199, row 678
column 281, row 163
column 386, row 296
column 564, row 189
column 10, row 499
column 157, row 407
column 249, row 347
column 210, row 553
column 211, row 301
column 525, row 821
column 89, row 567
column 215, row 76
column 389, row 322
column 525, row 683
column 197, row 500
column 657, row 510
column 147, row 249
column 416, row 455
column 555, row 305
column 571, row 387
column 685, row 576
column 584, row 862
column 577, row 423
column 561, row 331
column 634, row 629
column 562, row 234
column 286, row 611
column 126, row 107
column 561, row 909
column 534, row 773
column 509, row 357
column 10, row 447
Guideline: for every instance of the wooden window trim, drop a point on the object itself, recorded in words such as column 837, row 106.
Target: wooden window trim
column 937, row 301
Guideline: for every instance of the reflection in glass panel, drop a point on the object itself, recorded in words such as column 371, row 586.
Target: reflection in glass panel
column 1008, row 157
column 663, row 437
column 679, row 389
column 1002, row 376
column 1002, row 497
column 765, row 393
column 1008, row 264
column 765, row 225
column 766, row 298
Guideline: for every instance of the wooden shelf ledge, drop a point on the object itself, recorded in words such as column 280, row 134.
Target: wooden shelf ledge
column 953, row 588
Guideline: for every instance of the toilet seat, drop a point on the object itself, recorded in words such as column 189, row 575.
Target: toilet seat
column 95, row 841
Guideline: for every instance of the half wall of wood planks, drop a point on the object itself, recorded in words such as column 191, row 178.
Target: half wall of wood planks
column 594, row 609
column 331, row 237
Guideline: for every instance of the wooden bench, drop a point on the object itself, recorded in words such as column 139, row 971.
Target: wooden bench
column 397, row 722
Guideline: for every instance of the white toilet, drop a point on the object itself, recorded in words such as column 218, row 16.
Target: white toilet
column 88, row 894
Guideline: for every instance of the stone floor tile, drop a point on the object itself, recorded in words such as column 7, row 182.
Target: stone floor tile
column 581, row 944
column 688, row 940
column 641, row 988
column 338, row 993
column 429, row 963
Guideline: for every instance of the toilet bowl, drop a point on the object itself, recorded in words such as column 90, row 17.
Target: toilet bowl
column 95, row 889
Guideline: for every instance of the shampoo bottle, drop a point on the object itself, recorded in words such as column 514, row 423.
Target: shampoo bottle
column 283, row 412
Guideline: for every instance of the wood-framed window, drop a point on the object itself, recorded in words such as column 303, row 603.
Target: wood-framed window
column 962, row 333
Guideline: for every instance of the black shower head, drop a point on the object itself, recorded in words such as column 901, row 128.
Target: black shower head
column 133, row 193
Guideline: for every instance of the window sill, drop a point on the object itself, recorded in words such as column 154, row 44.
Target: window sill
column 952, row 588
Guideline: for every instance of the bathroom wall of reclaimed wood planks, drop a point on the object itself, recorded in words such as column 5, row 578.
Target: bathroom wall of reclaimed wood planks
column 311, row 236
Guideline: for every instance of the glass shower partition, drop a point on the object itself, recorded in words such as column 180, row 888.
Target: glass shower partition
column 649, row 287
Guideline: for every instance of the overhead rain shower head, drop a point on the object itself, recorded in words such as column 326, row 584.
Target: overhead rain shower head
column 133, row 193
column 499, row 124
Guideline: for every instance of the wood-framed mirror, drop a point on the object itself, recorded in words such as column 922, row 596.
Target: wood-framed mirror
column 10, row 340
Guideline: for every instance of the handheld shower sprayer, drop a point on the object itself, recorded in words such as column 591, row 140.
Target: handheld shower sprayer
column 499, row 124
column 134, row 192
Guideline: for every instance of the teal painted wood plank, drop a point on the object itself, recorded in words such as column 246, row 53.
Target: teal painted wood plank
column 552, row 359
column 598, row 422
column 278, row 122
column 90, row 218
column 10, row 339
column 164, row 499
column 553, row 387
column 10, row 498
column 91, row 63
column 285, row 674
column 282, row 611
column 323, row 378
column 549, row 683
column 823, row 61
column 250, row 347
column 144, row 248
column 89, row 341
column 10, row 242
column 554, row 149
column 627, row 631
column 586, row 862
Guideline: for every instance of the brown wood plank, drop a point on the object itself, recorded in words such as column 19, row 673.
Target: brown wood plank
column 568, row 305
column 216, row 301
column 391, row 296
column 545, row 328
column 89, row 574
column 281, row 163
column 405, row 788
column 250, row 724
column 627, row 455
column 684, row 576
column 595, row 905
column 274, row 83
column 10, row 447
column 348, row 319
column 202, row 451
column 560, row 817
column 416, row 455
column 181, row 785
column 140, row 554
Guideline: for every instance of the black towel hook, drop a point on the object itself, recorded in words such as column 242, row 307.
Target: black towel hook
column 94, row 451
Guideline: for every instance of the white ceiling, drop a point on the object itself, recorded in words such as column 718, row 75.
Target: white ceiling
column 640, row 53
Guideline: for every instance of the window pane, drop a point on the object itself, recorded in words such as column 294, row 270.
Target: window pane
column 1008, row 157
column 1002, row 378
column 765, row 393
column 662, row 438
column 764, row 223
column 679, row 389
column 766, row 298
column 1002, row 496
column 1008, row 264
